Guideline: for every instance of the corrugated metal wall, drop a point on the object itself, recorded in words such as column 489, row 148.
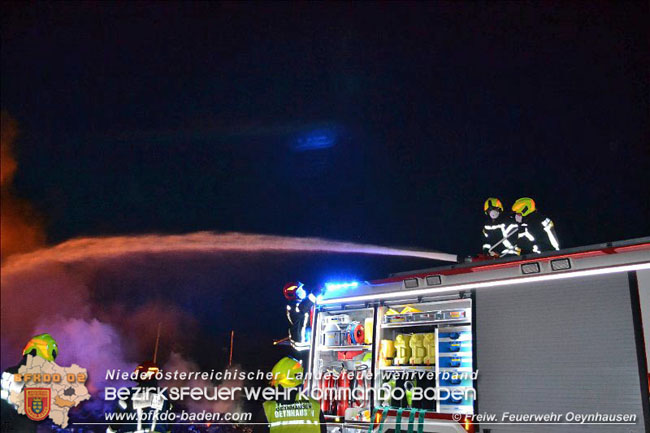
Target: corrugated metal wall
column 556, row 347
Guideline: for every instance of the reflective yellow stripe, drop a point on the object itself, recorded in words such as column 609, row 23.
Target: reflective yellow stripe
column 293, row 422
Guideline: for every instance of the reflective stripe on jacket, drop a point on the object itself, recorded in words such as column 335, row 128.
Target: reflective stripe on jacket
column 294, row 417
column 537, row 234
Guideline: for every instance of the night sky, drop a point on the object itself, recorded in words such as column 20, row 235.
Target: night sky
column 377, row 123
column 181, row 117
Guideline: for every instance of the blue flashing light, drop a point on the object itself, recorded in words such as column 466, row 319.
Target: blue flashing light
column 317, row 139
column 331, row 287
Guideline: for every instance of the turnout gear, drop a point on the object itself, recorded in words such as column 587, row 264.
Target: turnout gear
column 12, row 421
column 298, row 314
column 147, row 400
column 297, row 416
column 500, row 237
column 149, row 403
column 536, row 233
column 499, row 232
column 42, row 345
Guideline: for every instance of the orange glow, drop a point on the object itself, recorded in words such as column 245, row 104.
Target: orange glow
column 20, row 230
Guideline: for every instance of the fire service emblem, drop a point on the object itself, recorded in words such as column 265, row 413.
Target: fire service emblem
column 37, row 403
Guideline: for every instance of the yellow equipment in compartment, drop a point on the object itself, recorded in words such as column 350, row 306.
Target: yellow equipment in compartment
column 417, row 349
column 368, row 326
column 386, row 353
column 403, row 349
column 429, row 342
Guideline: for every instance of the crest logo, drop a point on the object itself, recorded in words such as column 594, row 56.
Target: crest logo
column 37, row 403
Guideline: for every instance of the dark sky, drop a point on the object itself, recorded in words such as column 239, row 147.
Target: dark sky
column 383, row 123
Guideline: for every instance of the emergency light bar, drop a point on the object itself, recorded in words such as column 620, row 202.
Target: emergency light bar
column 501, row 282
column 341, row 286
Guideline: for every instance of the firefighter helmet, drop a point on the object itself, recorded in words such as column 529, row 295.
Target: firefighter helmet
column 524, row 206
column 42, row 345
column 492, row 203
column 146, row 370
column 288, row 373
column 290, row 290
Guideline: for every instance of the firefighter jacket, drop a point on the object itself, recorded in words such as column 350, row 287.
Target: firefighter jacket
column 12, row 421
column 149, row 404
column 298, row 314
column 537, row 234
column 297, row 416
column 500, row 236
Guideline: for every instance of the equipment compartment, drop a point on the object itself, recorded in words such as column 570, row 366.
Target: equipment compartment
column 342, row 363
column 425, row 345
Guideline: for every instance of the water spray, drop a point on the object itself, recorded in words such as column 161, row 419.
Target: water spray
column 77, row 250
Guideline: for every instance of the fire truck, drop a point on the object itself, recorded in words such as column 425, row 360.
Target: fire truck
column 544, row 343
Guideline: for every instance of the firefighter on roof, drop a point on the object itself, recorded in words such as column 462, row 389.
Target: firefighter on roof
column 536, row 232
column 499, row 232
column 295, row 414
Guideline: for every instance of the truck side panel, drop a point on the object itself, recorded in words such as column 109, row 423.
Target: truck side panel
column 557, row 347
column 643, row 279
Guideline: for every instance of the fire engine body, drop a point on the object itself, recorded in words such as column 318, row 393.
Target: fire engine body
column 557, row 333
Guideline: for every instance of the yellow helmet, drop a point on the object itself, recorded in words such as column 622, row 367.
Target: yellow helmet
column 288, row 373
column 147, row 370
column 524, row 206
column 42, row 345
column 492, row 203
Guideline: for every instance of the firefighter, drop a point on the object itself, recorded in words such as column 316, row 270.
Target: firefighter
column 499, row 232
column 536, row 233
column 294, row 414
column 146, row 400
column 299, row 305
column 43, row 346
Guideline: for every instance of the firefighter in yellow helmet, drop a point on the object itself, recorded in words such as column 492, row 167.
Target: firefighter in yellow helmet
column 147, row 404
column 499, row 232
column 536, row 232
column 294, row 414
column 42, row 346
